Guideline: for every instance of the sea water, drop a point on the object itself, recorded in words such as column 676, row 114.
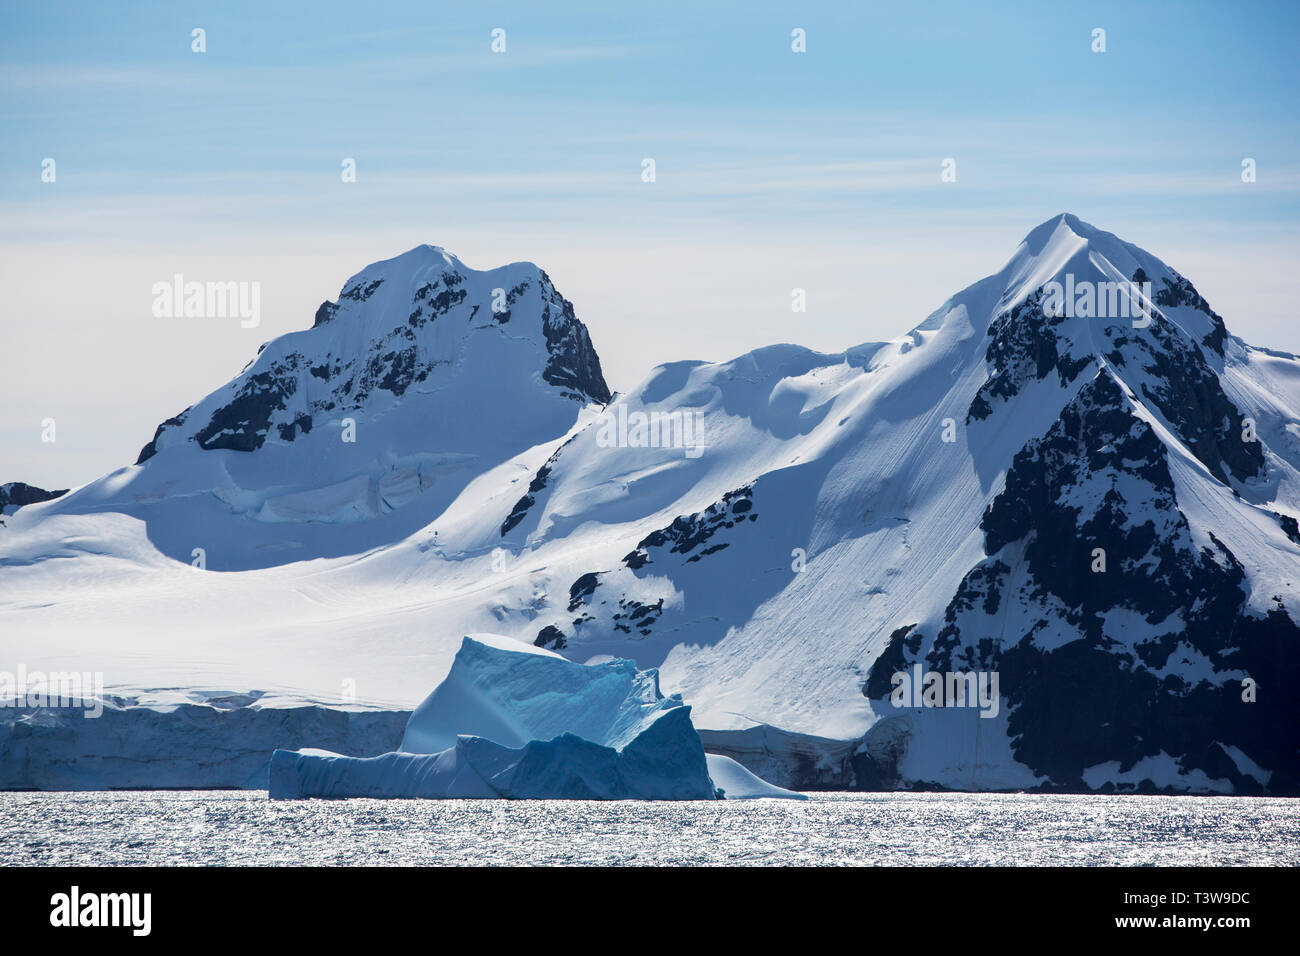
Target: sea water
column 244, row 827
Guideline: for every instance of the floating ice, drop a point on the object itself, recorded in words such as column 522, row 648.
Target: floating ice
column 520, row 722
column 737, row 783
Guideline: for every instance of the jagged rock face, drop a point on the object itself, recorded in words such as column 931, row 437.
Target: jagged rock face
column 1177, row 290
column 1099, row 479
column 16, row 494
column 691, row 532
column 1088, row 687
column 396, row 325
column 1025, row 345
column 634, row 603
column 1180, row 383
column 572, row 363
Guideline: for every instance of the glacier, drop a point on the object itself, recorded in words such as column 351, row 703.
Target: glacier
column 519, row 722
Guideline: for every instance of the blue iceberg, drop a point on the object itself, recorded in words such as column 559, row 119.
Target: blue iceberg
column 517, row 722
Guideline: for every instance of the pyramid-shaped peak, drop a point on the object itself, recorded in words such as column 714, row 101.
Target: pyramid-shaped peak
column 1067, row 246
column 1067, row 230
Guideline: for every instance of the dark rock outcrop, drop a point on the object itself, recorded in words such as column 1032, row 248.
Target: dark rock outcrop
column 16, row 494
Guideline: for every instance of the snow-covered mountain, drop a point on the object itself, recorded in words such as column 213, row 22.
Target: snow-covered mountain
column 362, row 429
column 1088, row 491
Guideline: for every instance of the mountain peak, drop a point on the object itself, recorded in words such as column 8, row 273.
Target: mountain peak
column 1098, row 280
column 1073, row 296
column 1068, row 228
column 418, row 260
column 1066, row 245
column 422, row 315
column 1066, row 220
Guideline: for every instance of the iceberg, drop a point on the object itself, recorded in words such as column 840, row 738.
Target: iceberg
column 735, row 782
column 520, row 722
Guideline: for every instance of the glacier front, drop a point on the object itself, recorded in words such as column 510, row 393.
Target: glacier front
column 521, row 722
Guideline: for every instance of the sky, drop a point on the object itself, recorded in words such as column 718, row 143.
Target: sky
column 774, row 170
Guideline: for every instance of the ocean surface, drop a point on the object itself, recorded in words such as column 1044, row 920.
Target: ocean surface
column 244, row 827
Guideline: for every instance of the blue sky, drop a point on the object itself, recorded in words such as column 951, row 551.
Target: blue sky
column 774, row 170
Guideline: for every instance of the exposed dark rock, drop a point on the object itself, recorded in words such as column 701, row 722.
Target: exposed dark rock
column 573, row 363
column 512, row 296
column 431, row 305
column 19, row 493
column 401, row 371
column 1023, row 347
column 301, row 423
column 634, row 615
column 360, row 293
column 1095, row 445
column 891, row 660
column 582, row 589
column 1181, row 292
column 550, row 637
column 276, row 397
column 535, row 487
column 1189, row 395
column 687, row 533
column 1083, row 692
column 325, row 313
column 151, row 449
column 242, row 425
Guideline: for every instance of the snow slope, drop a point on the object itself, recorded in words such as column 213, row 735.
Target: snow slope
column 937, row 499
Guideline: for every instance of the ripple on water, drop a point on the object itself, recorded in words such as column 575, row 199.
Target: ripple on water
column 245, row 828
